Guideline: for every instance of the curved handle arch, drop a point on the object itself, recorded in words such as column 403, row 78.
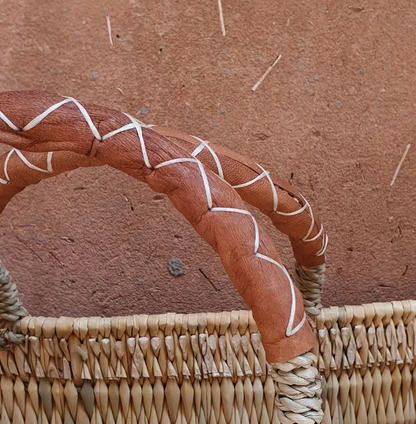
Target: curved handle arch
column 41, row 123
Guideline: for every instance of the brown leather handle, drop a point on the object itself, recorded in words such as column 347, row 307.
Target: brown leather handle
column 46, row 123
column 293, row 215
column 288, row 210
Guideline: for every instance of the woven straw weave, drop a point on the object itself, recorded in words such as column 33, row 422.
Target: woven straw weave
column 367, row 358
column 204, row 368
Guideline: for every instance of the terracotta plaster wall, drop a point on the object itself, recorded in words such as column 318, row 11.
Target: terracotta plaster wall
column 334, row 116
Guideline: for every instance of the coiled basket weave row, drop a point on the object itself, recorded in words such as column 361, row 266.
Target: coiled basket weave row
column 286, row 361
column 206, row 368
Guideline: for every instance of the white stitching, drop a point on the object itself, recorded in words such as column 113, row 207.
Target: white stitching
column 7, row 180
column 48, row 169
column 213, row 154
column 274, row 191
column 293, row 213
column 275, row 205
column 206, row 184
column 324, row 246
column 244, row 212
column 87, row 118
column 49, row 162
column 30, row 165
column 201, row 170
column 305, row 239
column 138, row 126
column 259, row 177
column 198, row 150
column 290, row 331
column 121, row 129
column 7, row 121
column 178, row 160
column 43, row 115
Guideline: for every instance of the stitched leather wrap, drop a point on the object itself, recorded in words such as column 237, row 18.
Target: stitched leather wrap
column 263, row 285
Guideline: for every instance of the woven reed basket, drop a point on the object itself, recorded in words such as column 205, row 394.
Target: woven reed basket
column 286, row 360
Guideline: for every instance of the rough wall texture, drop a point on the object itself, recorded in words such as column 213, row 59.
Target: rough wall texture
column 334, row 116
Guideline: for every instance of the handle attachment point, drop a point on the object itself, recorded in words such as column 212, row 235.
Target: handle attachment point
column 11, row 311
